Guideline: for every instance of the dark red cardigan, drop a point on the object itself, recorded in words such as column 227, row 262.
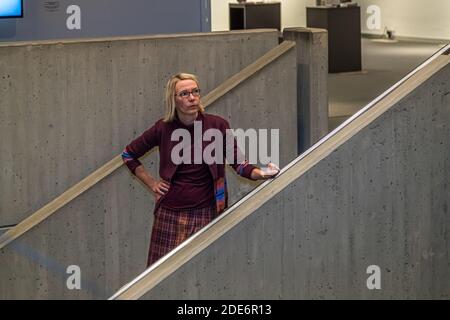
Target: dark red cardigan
column 160, row 135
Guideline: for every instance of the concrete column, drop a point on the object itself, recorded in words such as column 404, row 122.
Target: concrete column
column 312, row 80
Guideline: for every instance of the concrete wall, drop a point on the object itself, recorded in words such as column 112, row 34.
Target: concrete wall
column 69, row 108
column 100, row 18
column 379, row 199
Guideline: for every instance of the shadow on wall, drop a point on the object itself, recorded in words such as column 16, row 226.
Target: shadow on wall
column 7, row 29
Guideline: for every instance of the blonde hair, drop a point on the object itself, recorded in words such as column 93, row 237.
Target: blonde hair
column 170, row 94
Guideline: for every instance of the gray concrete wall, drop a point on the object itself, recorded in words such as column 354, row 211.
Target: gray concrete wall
column 100, row 18
column 379, row 199
column 69, row 108
column 312, row 92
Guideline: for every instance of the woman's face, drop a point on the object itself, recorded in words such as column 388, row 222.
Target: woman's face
column 188, row 105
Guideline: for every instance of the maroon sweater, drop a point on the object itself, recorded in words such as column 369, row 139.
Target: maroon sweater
column 192, row 185
column 188, row 179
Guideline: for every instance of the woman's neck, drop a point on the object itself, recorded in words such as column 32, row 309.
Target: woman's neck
column 187, row 119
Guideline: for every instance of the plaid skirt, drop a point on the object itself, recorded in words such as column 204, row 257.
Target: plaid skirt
column 172, row 226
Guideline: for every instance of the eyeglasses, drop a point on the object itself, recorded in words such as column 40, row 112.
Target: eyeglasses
column 185, row 94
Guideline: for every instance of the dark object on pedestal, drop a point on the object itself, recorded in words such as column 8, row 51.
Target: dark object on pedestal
column 344, row 35
column 251, row 15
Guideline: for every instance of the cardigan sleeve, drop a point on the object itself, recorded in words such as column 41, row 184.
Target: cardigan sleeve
column 140, row 146
column 239, row 163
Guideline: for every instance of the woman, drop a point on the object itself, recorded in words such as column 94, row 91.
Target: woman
column 188, row 196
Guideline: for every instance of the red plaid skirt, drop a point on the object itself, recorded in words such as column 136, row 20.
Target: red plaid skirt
column 171, row 227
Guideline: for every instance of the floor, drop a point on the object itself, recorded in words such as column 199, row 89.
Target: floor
column 384, row 63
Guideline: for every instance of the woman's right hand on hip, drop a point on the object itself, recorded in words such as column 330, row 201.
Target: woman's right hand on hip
column 159, row 188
